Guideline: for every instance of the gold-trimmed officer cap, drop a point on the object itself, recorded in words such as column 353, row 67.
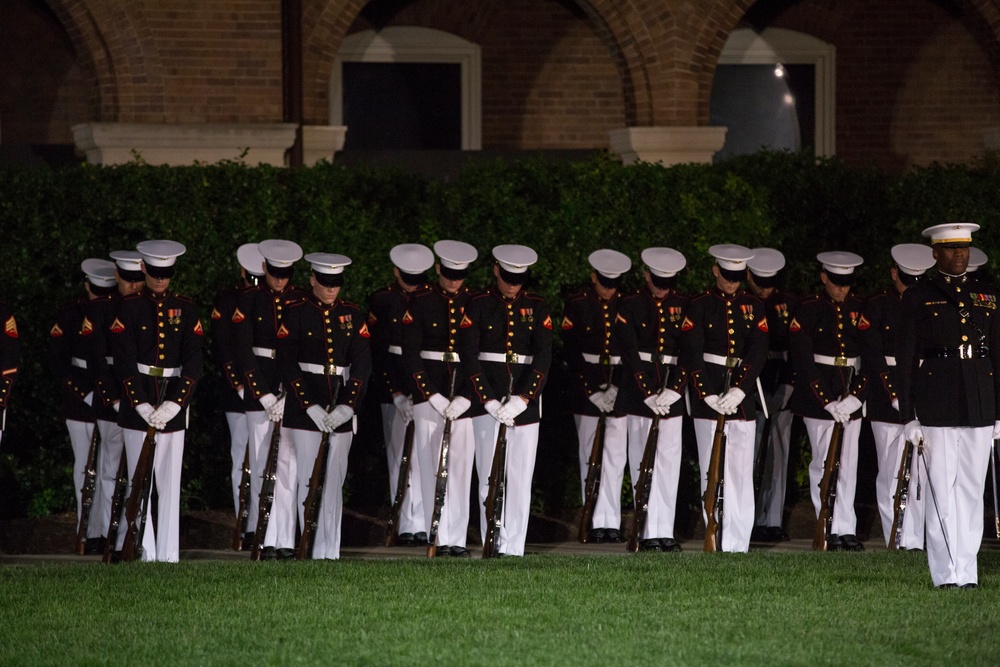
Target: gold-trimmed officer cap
column 951, row 234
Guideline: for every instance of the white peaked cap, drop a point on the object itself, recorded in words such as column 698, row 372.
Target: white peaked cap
column 160, row 253
column 766, row 262
column 280, row 253
column 951, row 232
column 515, row 258
column 100, row 272
column 839, row 262
column 913, row 258
column 328, row 262
column 976, row 259
column 609, row 263
column 127, row 260
column 411, row 257
column 455, row 255
column 663, row 262
column 731, row 257
column 249, row 257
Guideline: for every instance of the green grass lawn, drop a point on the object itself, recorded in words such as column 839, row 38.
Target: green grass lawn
column 875, row 608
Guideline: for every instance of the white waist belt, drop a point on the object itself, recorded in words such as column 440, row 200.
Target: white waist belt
column 320, row 369
column 890, row 361
column 596, row 359
column 729, row 362
column 110, row 360
column 264, row 352
column 395, row 349
column 78, row 362
column 778, row 355
column 439, row 356
column 506, row 357
column 157, row 372
column 837, row 361
column 663, row 358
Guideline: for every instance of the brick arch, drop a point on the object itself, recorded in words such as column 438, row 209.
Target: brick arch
column 113, row 45
column 984, row 22
column 325, row 26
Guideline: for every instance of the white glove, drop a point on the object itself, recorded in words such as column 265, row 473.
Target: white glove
column 597, row 398
column 610, row 396
column 996, row 430
column 913, row 433
column 514, row 406
column 339, row 415
column 163, row 414
column 493, row 409
column 657, row 409
column 712, row 401
column 404, row 404
column 849, row 405
column 895, row 404
column 239, row 391
column 666, row 398
column 145, row 410
column 117, row 405
column 267, row 401
column 439, row 403
column 89, row 399
column 277, row 411
column 457, row 407
column 318, row 415
column 730, row 401
column 833, row 407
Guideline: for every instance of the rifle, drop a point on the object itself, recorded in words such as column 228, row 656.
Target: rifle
column 243, row 513
column 402, row 483
column 716, row 483
column 441, row 487
column 996, row 503
column 899, row 501
column 645, row 484
column 761, row 458
column 831, row 475
column 314, row 497
column 135, row 508
column 117, row 500
column 497, row 483
column 592, row 485
column 265, row 502
column 87, row 492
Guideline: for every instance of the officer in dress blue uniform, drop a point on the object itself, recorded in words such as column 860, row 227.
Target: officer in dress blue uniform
column 776, row 388
column 948, row 367
column 157, row 343
column 324, row 355
column 824, row 348
column 224, row 348
column 256, row 322
column 70, row 341
column 505, row 343
column 129, row 279
column 647, row 328
column 593, row 354
column 878, row 329
column 430, row 355
column 392, row 383
column 725, row 335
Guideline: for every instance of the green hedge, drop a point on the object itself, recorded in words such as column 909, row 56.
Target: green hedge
column 52, row 219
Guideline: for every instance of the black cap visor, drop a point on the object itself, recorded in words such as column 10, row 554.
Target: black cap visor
column 159, row 271
column 329, row 279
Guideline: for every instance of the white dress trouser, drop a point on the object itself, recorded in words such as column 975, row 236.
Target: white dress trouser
column 662, row 507
column 79, row 439
column 774, row 478
column 112, row 447
column 281, row 524
column 819, row 430
column 239, row 436
column 163, row 542
column 737, row 475
column 608, row 508
column 453, row 528
column 522, row 445
column 955, row 460
column 411, row 513
column 889, row 442
column 328, row 519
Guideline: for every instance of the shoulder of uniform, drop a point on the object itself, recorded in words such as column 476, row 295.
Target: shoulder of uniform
column 183, row 298
column 381, row 292
column 701, row 295
column 752, row 298
column 808, row 300
column 577, row 296
column 533, row 296
column 350, row 305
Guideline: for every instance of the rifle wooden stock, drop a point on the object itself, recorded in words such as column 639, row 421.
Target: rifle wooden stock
column 441, row 481
column 138, row 499
column 243, row 511
column 494, row 495
column 592, row 486
column 644, row 485
column 87, row 492
column 831, row 475
column 715, row 487
column 265, row 502
column 996, row 502
column 402, row 483
column 117, row 500
column 899, row 501
column 314, row 497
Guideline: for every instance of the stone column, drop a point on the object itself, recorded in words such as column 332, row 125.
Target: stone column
column 321, row 142
column 667, row 145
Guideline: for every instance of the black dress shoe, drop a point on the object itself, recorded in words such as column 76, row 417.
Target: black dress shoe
column 834, row 543
column 612, row 535
column 248, row 539
column 851, row 543
column 669, row 544
column 285, row 553
column 947, row 586
column 405, row 540
column 116, row 556
column 268, row 553
column 970, row 586
column 759, row 534
column 775, row 534
column 459, row 552
column 596, row 536
column 93, row 546
column 650, row 545
column 420, row 539
column 442, row 552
